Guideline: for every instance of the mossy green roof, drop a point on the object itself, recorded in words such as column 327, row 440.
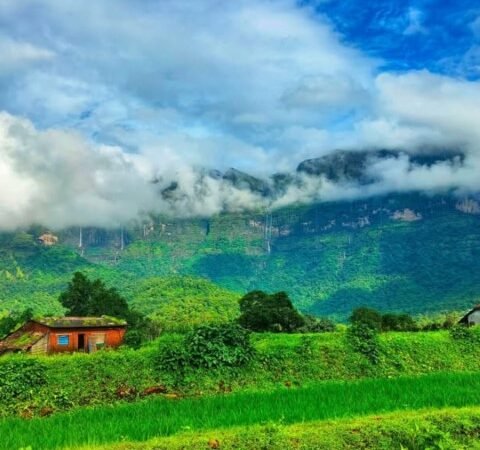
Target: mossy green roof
column 20, row 340
column 81, row 322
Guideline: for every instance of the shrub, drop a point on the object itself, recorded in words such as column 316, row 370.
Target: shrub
column 440, row 321
column 20, row 378
column 364, row 340
column 173, row 359
column 369, row 317
column 263, row 312
column 210, row 346
column 13, row 320
column 466, row 335
column 218, row 346
column 140, row 329
column 314, row 324
column 398, row 322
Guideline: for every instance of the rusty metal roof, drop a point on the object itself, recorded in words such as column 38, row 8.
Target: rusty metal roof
column 81, row 322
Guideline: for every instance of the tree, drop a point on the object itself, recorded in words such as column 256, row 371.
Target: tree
column 317, row 324
column 140, row 329
column 368, row 317
column 84, row 297
column 12, row 321
column 398, row 322
column 263, row 312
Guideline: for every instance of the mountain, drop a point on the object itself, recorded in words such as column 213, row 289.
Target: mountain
column 413, row 252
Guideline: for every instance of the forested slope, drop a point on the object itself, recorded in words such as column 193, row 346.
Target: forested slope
column 411, row 253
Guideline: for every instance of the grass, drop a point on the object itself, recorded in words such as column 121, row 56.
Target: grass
column 449, row 428
column 162, row 417
column 79, row 380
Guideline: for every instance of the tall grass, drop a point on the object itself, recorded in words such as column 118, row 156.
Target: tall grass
column 162, row 417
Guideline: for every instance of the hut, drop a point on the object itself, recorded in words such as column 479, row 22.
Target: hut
column 472, row 317
column 65, row 334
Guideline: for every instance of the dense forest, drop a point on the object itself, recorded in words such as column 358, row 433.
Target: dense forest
column 409, row 253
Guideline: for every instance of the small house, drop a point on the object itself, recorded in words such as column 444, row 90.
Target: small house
column 472, row 317
column 65, row 334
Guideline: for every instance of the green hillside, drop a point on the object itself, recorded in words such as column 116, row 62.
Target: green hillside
column 410, row 253
column 180, row 303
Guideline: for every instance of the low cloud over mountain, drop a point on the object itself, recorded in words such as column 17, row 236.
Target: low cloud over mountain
column 111, row 110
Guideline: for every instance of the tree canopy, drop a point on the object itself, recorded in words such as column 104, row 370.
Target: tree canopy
column 84, row 297
column 269, row 312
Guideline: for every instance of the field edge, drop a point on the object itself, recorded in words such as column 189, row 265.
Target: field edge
column 446, row 428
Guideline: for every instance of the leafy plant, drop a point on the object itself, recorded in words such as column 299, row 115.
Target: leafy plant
column 398, row 322
column 466, row 335
column 221, row 345
column 210, row 347
column 314, row 324
column 13, row 320
column 20, row 378
column 263, row 312
column 84, row 297
column 364, row 340
column 369, row 317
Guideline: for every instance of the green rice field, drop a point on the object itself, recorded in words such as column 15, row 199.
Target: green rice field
column 163, row 417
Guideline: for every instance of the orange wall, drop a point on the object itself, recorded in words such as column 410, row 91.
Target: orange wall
column 113, row 338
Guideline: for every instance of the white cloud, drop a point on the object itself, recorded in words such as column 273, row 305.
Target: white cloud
column 169, row 87
column 422, row 100
column 239, row 69
column 16, row 55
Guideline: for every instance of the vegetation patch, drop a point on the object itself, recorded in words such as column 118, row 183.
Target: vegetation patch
column 446, row 429
column 163, row 417
column 75, row 381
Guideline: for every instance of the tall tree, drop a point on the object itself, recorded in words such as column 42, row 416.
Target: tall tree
column 84, row 297
column 263, row 312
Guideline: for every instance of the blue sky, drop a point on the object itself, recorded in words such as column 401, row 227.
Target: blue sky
column 100, row 91
column 429, row 34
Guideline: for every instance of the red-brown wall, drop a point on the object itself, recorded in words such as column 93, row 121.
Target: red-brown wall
column 113, row 336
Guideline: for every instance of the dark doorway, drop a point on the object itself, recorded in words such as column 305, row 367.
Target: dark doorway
column 81, row 342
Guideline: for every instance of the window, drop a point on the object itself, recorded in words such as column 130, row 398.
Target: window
column 63, row 339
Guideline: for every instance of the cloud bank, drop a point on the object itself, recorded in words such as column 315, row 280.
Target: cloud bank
column 107, row 106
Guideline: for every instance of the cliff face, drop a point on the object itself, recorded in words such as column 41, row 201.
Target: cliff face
column 406, row 252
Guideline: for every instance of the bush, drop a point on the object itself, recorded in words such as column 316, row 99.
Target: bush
column 314, row 324
column 140, row 329
column 364, row 340
column 14, row 320
column 20, row 378
column 369, row 317
column 219, row 345
column 263, row 312
column 398, row 322
column 383, row 322
column 210, row 346
column 173, row 359
column 466, row 335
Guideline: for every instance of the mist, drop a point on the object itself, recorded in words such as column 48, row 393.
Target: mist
column 128, row 111
column 59, row 179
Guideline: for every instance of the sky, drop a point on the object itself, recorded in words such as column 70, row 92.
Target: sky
column 99, row 98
